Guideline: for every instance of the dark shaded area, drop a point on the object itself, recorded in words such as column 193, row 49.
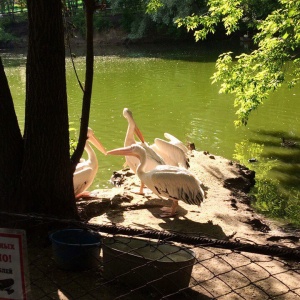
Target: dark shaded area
column 243, row 182
column 289, row 156
column 160, row 47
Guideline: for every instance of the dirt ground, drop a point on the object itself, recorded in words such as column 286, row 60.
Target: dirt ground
column 225, row 214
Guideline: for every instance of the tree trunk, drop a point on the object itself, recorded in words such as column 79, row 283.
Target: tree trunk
column 47, row 178
column 11, row 145
column 89, row 74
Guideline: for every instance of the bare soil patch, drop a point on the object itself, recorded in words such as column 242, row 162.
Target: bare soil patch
column 225, row 214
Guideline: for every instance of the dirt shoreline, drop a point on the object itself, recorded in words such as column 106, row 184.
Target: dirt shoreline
column 225, row 214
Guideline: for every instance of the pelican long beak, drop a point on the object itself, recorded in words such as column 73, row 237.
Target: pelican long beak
column 126, row 151
column 139, row 134
column 97, row 144
column 128, row 115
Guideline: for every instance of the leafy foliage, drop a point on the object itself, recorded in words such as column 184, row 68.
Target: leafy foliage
column 253, row 76
column 250, row 77
column 159, row 19
column 5, row 36
column 6, row 23
column 168, row 11
column 228, row 12
column 153, row 6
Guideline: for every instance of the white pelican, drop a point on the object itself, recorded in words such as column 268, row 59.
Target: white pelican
column 166, row 181
column 86, row 170
column 152, row 158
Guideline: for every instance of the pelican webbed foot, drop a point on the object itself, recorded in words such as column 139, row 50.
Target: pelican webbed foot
column 84, row 195
column 169, row 211
column 138, row 191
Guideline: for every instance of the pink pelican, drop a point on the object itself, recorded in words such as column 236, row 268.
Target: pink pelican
column 166, row 181
column 152, row 158
column 86, row 170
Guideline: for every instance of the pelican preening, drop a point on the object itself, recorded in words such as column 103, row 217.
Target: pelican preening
column 165, row 181
column 160, row 153
column 152, row 158
column 86, row 170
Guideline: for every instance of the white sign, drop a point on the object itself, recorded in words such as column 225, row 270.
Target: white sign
column 13, row 264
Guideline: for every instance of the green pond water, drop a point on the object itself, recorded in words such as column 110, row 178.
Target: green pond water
column 168, row 89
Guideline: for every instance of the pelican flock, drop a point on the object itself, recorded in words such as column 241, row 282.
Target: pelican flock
column 86, row 170
column 162, row 167
column 165, row 181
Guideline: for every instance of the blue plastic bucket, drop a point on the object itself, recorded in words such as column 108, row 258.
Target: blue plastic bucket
column 76, row 249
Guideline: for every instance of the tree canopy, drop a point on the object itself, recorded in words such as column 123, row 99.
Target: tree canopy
column 274, row 60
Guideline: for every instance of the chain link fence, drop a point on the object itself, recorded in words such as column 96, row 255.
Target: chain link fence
column 151, row 264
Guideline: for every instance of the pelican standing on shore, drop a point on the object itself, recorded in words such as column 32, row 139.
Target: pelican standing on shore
column 86, row 170
column 166, row 181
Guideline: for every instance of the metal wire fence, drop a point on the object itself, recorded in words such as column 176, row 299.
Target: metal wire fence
column 136, row 264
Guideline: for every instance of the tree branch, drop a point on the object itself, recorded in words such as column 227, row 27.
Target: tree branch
column 89, row 74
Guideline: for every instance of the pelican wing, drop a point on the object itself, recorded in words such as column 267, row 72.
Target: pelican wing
column 82, row 179
column 153, row 159
column 83, row 164
column 172, row 154
column 132, row 162
column 175, row 141
column 176, row 184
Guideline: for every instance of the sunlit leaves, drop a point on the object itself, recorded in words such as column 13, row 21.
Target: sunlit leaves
column 252, row 76
column 226, row 11
column 153, row 6
column 245, row 150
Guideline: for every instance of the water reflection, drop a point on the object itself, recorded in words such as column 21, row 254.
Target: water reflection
column 272, row 197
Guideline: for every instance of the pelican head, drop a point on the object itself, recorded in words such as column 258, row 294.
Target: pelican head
column 133, row 150
column 128, row 115
column 92, row 138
